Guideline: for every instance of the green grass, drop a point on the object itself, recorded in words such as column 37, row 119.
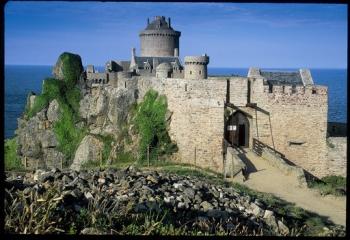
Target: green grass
column 329, row 185
column 12, row 161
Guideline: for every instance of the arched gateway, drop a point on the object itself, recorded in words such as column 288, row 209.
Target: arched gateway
column 237, row 129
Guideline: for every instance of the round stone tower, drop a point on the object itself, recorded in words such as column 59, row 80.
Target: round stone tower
column 159, row 39
column 196, row 67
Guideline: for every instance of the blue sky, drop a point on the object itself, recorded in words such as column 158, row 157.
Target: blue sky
column 232, row 34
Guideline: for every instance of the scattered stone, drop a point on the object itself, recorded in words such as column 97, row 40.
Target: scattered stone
column 282, row 228
column 206, row 206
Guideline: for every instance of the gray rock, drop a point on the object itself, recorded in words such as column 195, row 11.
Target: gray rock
column 118, row 105
column 88, row 195
column 282, row 228
column 256, row 210
column 152, row 179
column 206, row 206
column 90, row 231
column 89, row 149
column 268, row 213
column 181, row 205
column 53, row 112
column 189, row 192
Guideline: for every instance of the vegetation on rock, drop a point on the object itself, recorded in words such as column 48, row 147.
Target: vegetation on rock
column 150, row 124
column 70, row 66
column 68, row 97
column 12, row 161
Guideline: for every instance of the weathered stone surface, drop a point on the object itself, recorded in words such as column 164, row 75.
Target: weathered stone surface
column 118, row 106
column 282, row 227
column 48, row 139
column 89, row 149
column 53, row 112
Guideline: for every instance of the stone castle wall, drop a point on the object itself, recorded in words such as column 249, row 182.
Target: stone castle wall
column 294, row 122
column 197, row 121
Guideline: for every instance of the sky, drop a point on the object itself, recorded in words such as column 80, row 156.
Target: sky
column 232, row 34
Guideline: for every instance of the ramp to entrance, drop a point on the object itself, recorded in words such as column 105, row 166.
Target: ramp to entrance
column 264, row 177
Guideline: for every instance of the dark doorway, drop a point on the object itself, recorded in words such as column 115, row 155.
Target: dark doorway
column 237, row 129
column 241, row 135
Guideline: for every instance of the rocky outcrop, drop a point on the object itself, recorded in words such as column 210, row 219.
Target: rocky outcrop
column 90, row 149
column 189, row 201
column 36, row 139
column 105, row 109
column 68, row 67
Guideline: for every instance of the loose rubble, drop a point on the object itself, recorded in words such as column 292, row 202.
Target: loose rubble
column 190, row 201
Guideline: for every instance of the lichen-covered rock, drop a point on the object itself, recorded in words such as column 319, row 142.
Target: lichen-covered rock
column 53, row 112
column 90, row 149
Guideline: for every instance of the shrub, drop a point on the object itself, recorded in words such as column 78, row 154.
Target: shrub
column 12, row 161
column 335, row 185
column 151, row 125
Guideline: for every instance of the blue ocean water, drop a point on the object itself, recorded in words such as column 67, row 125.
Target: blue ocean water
column 20, row 80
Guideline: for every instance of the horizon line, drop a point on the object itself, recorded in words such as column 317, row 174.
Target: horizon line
column 342, row 68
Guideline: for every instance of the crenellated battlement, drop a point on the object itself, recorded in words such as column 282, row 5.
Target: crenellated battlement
column 297, row 90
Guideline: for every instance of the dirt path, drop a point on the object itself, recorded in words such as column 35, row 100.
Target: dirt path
column 269, row 179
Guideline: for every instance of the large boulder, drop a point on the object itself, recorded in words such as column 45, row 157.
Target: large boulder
column 90, row 149
column 68, row 68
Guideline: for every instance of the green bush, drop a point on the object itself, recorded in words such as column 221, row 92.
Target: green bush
column 329, row 185
column 151, row 125
column 12, row 161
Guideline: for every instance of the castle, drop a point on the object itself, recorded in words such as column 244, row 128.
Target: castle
column 282, row 111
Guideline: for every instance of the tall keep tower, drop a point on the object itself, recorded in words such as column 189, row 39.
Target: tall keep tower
column 159, row 39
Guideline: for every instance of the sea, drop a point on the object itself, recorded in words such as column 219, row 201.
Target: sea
column 21, row 80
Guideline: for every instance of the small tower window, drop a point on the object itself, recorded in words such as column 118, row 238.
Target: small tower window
column 190, row 72
column 185, row 87
column 200, row 72
column 313, row 91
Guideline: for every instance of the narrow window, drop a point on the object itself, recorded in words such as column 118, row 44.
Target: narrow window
column 125, row 84
column 190, row 72
column 313, row 91
column 200, row 72
column 283, row 89
column 294, row 90
column 185, row 87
